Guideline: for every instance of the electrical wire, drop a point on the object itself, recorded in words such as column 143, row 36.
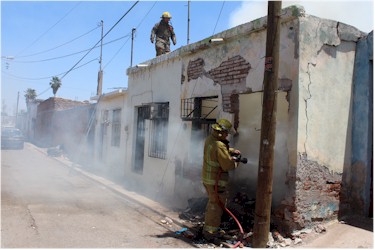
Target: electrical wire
column 222, row 6
column 100, row 39
column 46, row 77
column 74, row 39
column 44, row 91
column 72, row 54
column 140, row 23
column 35, row 41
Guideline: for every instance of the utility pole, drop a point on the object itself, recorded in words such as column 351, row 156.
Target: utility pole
column 188, row 22
column 267, row 137
column 18, row 99
column 100, row 74
column 131, row 52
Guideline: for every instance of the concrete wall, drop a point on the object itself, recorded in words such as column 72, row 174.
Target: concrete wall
column 327, row 54
column 314, row 123
column 233, row 71
column 160, row 83
column 109, row 158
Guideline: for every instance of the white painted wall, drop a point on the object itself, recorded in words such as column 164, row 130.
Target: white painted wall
column 113, row 157
column 324, row 118
column 156, row 83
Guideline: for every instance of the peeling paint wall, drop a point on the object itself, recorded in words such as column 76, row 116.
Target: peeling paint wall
column 327, row 53
column 234, row 71
column 313, row 137
column 326, row 73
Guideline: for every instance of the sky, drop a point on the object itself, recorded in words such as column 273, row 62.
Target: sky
column 42, row 39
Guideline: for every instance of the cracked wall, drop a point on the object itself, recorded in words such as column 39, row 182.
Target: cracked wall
column 327, row 54
column 315, row 77
column 317, row 196
column 326, row 72
column 234, row 71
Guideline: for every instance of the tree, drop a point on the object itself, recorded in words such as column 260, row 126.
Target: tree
column 30, row 95
column 55, row 84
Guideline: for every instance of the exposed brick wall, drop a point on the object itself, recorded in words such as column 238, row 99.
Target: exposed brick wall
column 195, row 69
column 232, row 71
column 316, row 197
column 231, row 75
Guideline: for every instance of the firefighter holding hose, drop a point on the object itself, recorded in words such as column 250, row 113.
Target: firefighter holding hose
column 217, row 161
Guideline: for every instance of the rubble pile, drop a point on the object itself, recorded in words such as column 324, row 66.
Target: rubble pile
column 243, row 209
column 194, row 213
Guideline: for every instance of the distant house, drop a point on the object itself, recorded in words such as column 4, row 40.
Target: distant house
column 62, row 122
column 111, row 133
column 172, row 102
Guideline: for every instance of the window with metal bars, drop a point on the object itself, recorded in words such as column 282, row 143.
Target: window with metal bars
column 159, row 134
column 199, row 108
column 116, row 128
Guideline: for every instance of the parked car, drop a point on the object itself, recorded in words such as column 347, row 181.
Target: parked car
column 11, row 138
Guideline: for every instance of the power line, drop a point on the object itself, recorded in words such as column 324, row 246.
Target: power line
column 46, row 77
column 49, row 29
column 44, row 51
column 72, row 54
column 140, row 23
column 218, row 17
column 100, row 39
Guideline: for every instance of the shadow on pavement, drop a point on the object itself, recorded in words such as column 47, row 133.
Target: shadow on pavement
column 360, row 222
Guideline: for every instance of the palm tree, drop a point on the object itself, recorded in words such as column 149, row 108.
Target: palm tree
column 30, row 95
column 55, row 84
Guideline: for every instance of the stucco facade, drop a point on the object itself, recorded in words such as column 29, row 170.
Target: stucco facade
column 198, row 83
column 110, row 132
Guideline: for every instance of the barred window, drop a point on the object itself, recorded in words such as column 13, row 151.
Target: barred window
column 116, row 128
column 159, row 132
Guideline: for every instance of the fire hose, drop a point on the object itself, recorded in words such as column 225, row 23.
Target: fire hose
column 222, row 205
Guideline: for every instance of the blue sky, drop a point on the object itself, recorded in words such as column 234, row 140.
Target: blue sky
column 42, row 39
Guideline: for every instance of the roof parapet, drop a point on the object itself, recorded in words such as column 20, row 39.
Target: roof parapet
column 289, row 13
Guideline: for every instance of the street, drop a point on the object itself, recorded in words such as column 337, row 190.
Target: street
column 46, row 204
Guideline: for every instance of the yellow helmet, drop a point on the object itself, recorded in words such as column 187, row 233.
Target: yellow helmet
column 166, row 15
column 222, row 125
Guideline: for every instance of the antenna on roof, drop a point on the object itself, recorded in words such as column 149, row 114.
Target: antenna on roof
column 188, row 21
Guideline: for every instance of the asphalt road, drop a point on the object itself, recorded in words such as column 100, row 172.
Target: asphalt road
column 45, row 204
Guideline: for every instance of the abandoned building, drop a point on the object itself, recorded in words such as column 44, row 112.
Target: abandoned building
column 173, row 101
column 151, row 135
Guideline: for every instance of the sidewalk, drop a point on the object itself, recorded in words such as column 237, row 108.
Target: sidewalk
column 134, row 197
column 356, row 232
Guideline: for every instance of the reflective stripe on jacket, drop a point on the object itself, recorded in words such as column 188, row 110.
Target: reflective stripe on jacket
column 216, row 158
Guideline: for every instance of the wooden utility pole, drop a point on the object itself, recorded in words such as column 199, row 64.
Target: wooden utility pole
column 100, row 74
column 267, row 138
column 131, row 52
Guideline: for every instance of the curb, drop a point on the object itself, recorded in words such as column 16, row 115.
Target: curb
column 151, row 205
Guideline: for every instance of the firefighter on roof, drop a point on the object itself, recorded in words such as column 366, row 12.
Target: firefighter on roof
column 163, row 31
